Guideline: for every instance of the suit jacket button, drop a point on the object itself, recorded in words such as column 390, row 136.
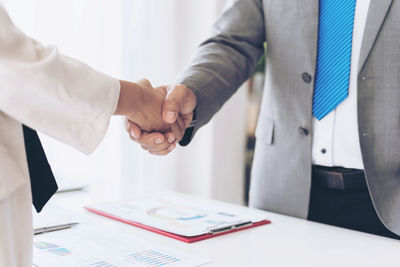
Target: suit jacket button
column 303, row 131
column 306, row 77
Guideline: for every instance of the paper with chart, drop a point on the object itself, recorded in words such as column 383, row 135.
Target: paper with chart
column 91, row 246
column 179, row 215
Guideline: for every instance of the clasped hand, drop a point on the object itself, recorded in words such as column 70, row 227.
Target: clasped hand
column 156, row 118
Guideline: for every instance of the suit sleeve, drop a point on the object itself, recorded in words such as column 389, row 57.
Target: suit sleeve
column 51, row 93
column 224, row 61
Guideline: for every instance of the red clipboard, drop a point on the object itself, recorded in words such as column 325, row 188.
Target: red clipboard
column 175, row 236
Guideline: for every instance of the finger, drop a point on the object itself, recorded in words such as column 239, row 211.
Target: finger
column 188, row 118
column 133, row 129
column 162, row 89
column 182, row 126
column 170, row 137
column 181, row 123
column 157, row 148
column 177, row 131
column 151, row 139
column 132, row 138
column 178, row 128
column 163, row 152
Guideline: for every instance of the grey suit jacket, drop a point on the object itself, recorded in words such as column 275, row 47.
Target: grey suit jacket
column 281, row 176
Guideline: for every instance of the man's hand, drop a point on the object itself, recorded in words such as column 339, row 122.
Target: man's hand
column 142, row 104
column 178, row 108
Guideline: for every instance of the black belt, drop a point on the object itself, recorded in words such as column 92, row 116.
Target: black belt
column 339, row 178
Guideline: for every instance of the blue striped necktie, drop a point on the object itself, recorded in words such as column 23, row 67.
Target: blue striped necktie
column 336, row 20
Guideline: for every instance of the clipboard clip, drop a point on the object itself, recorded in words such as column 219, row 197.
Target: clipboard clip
column 228, row 227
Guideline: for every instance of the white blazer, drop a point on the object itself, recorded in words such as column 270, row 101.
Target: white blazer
column 53, row 94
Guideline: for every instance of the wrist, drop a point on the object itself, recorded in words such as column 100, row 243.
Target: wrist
column 128, row 98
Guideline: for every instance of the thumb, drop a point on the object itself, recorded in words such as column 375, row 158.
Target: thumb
column 172, row 103
column 145, row 83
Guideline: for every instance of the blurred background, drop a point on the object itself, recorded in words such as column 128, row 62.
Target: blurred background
column 132, row 39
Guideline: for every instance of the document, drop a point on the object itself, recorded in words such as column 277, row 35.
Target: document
column 93, row 246
column 180, row 215
column 54, row 218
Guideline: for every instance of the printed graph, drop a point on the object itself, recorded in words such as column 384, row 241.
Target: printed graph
column 152, row 258
column 52, row 248
column 101, row 264
column 44, row 245
column 60, row 251
column 180, row 213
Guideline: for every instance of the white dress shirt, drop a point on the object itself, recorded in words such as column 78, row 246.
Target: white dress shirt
column 336, row 140
column 51, row 93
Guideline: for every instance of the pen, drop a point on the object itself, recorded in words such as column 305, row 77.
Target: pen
column 229, row 227
column 53, row 228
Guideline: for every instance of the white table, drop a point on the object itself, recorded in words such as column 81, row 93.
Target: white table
column 286, row 241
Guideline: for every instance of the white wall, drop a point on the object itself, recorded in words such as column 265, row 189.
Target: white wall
column 160, row 44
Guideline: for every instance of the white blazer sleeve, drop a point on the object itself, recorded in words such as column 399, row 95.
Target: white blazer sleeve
column 51, row 93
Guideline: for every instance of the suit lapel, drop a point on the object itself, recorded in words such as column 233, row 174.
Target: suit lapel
column 309, row 10
column 376, row 16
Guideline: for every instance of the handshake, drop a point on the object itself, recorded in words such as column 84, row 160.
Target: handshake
column 156, row 118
